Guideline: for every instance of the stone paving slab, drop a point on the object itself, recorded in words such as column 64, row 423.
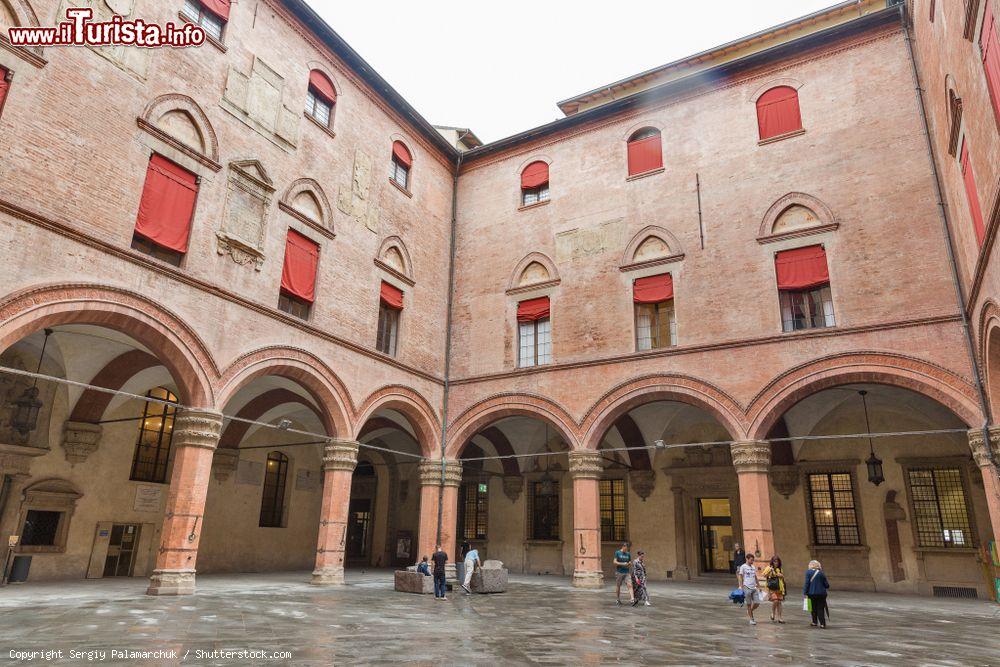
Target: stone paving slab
column 539, row 621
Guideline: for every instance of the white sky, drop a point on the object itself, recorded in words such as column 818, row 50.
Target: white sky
column 500, row 67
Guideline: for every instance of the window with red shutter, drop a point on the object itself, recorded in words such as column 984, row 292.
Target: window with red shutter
column 778, row 112
column 535, row 183
column 320, row 98
column 989, row 44
column 972, row 194
column 804, row 288
column 400, row 167
column 298, row 275
column 163, row 224
column 211, row 15
column 645, row 151
column 4, row 86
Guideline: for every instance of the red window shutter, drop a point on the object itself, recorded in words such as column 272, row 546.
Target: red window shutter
column 4, row 85
column 972, row 194
column 653, row 289
column 990, row 45
column 778, row 112
column 802, row 268
column 391, row 296
column 534, row 175
column 533, row 310
column 167, row 204
column 322, row 86
column 218, row 7
column 402, row 154
column 645, row 155
column 298, row 275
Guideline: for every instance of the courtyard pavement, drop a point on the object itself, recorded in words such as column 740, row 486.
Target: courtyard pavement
column 279, row 619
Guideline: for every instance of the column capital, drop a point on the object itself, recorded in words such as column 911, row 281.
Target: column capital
column 197, row 427
column 585, row 464
column 980, row 450
column 751, row 456
column 430, row 472
column 341, row 455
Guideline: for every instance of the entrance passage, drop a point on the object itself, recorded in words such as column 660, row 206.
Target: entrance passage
column 359, row 529
column 121, row 550
column 716, row 524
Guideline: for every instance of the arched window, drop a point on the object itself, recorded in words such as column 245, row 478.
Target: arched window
column 272, row 503
column 401, row 163
column 212, row 15
column 535, row 183
column 778, row 112
column 645, row 151
column 156, row 432
column 320, row 98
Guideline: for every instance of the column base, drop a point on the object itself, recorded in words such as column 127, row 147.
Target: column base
column 329, row 576
column 171, row 582
column 588, row 579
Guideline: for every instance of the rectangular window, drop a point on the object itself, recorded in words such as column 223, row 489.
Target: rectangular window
column 473, row 509
column 614, row 519
column 4, row 86
column 989, row 45
column 399, row 173
column 806, row 309
column 834, row 517
column 298, row 275
column 156, row 433
column 40, row 528
column 163, row 224
column 272, row 502
column 534, row 343
column 655, row 325
column 294, row 306
column 941, row 514
column 388, row 326
column 318, row 108
column 543, row 510
column 208, row 19
column 972, row 194
column 535, row 195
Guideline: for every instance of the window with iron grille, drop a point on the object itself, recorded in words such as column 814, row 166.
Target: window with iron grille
column 196, row 12
column 40, row 528
column 940, row 510
column 473, row 509
column 806, row 309
column 534, row 342
column 614, row 517
column 320, row 110
column 156, row 433
column 399, row 173
column 294, row 305
column 655, row 325
column 535, row 195
column 543, row 510
column 272, row 502
column 388, row 326
column 834, row 514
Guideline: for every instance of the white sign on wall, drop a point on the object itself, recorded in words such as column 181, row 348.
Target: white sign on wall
column 148, row 498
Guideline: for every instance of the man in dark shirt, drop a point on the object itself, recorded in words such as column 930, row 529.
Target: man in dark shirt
column 440, row 558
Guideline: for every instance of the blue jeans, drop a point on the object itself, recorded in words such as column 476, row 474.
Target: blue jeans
column 439, row 585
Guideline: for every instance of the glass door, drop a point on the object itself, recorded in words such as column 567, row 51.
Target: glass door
column 716, row 530
column 121, row 550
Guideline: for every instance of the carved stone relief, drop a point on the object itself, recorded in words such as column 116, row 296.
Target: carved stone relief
column 257, row 99
column 358, row 200
column 245, row 220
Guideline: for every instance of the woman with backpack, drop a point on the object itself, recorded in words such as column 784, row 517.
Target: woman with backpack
column 775, row 579
column 815, row 590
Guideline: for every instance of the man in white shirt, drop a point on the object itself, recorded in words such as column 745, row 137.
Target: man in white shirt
column 471, row 563
column 746, row 579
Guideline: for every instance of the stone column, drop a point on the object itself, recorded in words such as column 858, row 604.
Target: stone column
column 340, row 457
column 431, row 491
column 196, row 435
column 752, row 460
column 586, row 469
column 981, row 454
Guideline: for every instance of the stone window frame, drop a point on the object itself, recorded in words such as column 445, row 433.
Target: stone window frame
column 52, row 494
column 395, row 243
column 850, row 466
column 937, row 462
column 826, row 220
column 324, row 225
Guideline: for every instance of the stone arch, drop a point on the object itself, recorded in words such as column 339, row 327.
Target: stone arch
column 667, row 387
column 167, row 113
column 811, row 214
column 393, row 253
column 305, row 198
column 989, row 352
column 325, row 71
column 482, row 414
column 542, row 271
column 787, row 81
column 166, row 335
column 20, row 13
column 91, row 405
column 947, row 388
column 534, row 158
column 234, row 431
column 302, row 367
column 642, row 125
column 417, row 410
column 652, row 243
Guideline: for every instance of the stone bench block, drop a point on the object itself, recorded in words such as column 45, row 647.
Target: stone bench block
column 414, row 582
column 489, row 580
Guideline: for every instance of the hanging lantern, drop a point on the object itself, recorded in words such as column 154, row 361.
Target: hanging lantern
column 874, row 463
column 27, row 405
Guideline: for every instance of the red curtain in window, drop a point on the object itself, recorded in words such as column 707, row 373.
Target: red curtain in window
column 972, row 194
column 534, row 175
column 533, row 310
column 645, row 155
column 4, row 85
column 802, row 268
column 391, row 296
column 322, row 86
column 778, row 112
column 218, row 7
column 402, row 154
column 990, row 45
column 298, row 276
column 653, row 289
column 167, row 204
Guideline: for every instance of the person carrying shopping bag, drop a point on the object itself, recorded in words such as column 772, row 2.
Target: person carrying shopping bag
column 814, row 591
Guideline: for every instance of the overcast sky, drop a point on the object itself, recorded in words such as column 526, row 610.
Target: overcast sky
column 500, row 67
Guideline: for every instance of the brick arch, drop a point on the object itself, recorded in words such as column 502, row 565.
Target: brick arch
column 989, row 352
column 235, row 431
column 482, row 414
column 303, row 368
column 674, row 248
column 947, row 388
column 528, row 260
column 25, row 16
column 178, row 102
column 501, row 445
column 91, row 405
column 168, row 337
column 417, row 410
column 824, row 216
column 670, row 387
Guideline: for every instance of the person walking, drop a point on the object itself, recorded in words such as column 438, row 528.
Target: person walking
column 815, row 589
column 746, row 578
column 460, row 564
column 623, row 558
column 440, row 559
column 424, row 568
column 774, row 579
column 639, row 579
column 739, row 557
column 471, row 563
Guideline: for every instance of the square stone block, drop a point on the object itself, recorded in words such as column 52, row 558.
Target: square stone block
column 414, row 582
column 489, row 580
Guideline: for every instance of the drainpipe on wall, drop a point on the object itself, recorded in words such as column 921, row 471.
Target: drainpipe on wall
column 949, row 243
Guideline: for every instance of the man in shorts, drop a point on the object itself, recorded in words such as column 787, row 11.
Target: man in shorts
column 622, row 560
column 746, row 579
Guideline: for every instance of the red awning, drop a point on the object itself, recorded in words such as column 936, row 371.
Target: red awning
column 801, row 268
column 533, row 309
column 298, row 276
column 218, row 7
column 645, row 155
column 322, row 86
column 653, row 289
column 534, row 175
column 391, row 296
column 778, row 112
column 167, row 204
column 402, row 154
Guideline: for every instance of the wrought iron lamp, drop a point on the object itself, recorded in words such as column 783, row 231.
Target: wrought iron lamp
column 26, row 407
column 874, row 463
